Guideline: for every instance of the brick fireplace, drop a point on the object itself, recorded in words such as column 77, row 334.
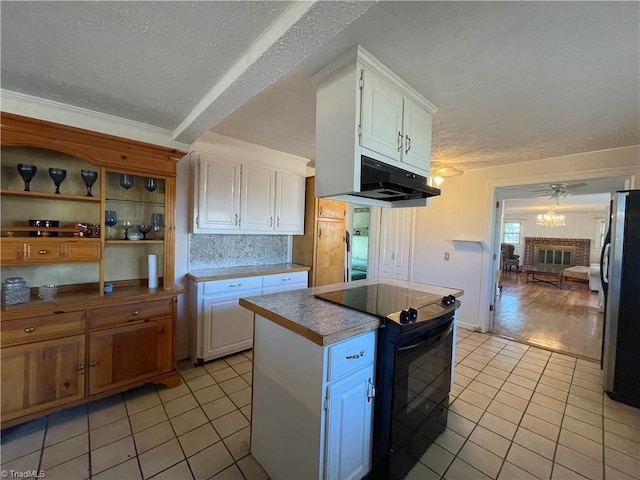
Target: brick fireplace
column 532, row 246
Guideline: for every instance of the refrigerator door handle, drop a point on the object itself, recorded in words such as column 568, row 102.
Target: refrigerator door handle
column 605, row 263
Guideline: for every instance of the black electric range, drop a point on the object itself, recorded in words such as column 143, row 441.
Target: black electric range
column 392, row 303
column 413, row 370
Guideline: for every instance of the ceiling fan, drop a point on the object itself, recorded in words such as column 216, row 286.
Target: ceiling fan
column 557, row 190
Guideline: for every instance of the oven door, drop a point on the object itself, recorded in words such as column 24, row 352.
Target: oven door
column 422, row 380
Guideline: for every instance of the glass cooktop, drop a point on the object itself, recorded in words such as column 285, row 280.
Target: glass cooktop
column 380, row 299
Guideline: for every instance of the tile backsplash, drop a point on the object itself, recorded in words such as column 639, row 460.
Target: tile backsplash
column 220, row 251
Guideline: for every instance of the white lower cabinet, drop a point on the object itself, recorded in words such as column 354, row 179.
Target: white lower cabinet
column 317, row 401
column 218, row 325
column 349, row 414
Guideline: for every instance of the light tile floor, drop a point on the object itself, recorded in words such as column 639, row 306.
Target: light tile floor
column 198, row 430
column 517, row 412
column 522, row 412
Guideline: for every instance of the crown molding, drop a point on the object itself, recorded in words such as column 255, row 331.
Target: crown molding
column 52, row 111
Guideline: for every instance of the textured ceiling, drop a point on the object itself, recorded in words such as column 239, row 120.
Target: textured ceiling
column 145, row 61
column 513, row 81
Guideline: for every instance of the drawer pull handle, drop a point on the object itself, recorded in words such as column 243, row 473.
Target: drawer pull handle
column 80, row 368
column 285, row 279
column 29, row 330
column 93, row 364
column 355, row 355
column 235, row 285
column 135, row 313
column 43, row 252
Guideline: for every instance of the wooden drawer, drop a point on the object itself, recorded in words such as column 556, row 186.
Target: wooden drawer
column 17, row 251
column 350, row 355
column 230, row 286
column 284, row 279
column 42, row 328
column 130, row 313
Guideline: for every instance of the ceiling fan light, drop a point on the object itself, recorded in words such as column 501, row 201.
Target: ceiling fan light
column 438, row 180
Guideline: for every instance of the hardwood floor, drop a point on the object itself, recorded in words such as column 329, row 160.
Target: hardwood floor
column 560, row 319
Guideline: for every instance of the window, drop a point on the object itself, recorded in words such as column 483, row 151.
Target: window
column 512, row 232
column 602, row 231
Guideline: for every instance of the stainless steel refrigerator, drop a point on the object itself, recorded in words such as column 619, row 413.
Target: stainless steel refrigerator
column 620, row 271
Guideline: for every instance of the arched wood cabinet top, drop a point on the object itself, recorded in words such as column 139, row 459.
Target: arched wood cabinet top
column 114, row 153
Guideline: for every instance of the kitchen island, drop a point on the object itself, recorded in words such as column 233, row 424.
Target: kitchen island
column 313, row 382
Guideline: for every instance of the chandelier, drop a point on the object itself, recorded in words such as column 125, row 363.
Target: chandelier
column 550, row 219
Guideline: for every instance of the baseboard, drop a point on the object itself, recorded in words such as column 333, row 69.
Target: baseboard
column 469, row 326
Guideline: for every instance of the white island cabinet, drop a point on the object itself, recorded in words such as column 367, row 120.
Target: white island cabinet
column 312, row 404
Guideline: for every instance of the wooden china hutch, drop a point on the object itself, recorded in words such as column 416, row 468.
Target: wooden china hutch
column 105, row 331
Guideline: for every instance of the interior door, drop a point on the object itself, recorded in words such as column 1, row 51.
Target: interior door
column 497, row 257
column 395, row 242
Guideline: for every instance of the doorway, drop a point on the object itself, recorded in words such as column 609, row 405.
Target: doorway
column 552, row 311
column 359, row 221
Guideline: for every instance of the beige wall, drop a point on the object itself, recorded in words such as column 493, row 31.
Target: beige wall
column 466, row 210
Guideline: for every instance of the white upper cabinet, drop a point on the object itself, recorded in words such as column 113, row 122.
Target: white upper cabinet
column 381, row 116
column 289, row 203
column 364, row 109
column 392, row 124
column 258, row 194
column 217, row 195
column 234, row 195
column 416, row 126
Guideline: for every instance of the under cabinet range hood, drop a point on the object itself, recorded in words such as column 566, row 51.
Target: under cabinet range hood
column 384, row 185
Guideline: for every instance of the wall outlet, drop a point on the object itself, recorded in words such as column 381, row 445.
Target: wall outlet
column 445, row 257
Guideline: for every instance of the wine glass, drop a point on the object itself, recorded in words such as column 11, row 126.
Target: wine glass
column 126, row 226
column 150, row 184
column 57, row 175
column 110, row 220
column 27, row 172
column 157, row 223
column 89, row 177
column 144, row 229
column 126, row 182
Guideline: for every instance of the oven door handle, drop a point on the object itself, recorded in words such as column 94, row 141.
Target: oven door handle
column 430, row 340
column 410, row 347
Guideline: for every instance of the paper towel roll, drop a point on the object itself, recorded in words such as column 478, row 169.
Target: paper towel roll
column 153, row 271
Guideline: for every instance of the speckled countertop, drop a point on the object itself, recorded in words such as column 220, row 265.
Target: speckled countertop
column 323, row 322
column 244, row 271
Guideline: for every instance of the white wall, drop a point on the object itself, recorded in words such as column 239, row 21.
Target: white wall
column 578, row 225
column 465, row 211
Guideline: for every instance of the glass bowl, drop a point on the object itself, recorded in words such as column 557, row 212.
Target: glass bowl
column 47, row 292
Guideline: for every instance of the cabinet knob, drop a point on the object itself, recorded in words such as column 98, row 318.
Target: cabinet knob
column 29, row 330
column 43, row 252
column 80, row 368
column 93, row 364
column 135, row 313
